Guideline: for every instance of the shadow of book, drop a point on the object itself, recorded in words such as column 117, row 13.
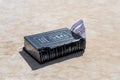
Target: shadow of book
column 36, row 65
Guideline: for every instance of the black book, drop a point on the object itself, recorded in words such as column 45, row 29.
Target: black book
column 53, row 44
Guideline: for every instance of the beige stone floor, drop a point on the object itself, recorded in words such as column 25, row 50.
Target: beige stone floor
column 101, row 61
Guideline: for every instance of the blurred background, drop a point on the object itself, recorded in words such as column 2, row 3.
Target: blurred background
column 101, row 60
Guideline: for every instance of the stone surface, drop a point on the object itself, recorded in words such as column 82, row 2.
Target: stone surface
column 101, row 61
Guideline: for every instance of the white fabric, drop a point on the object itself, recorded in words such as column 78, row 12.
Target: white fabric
column 79, row 28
